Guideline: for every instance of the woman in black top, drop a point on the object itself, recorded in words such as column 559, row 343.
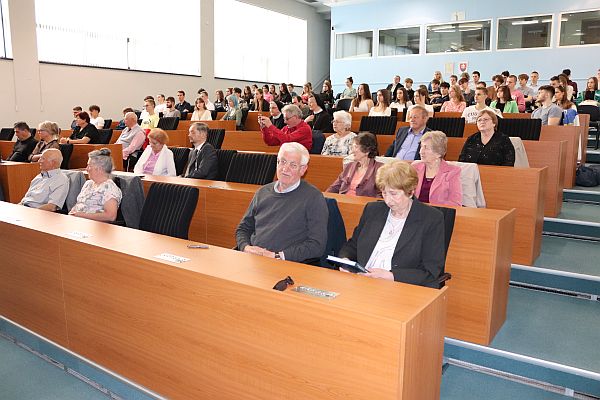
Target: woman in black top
column 87, row 133
column 259, row 103
column 318, row 119
column 487, row 146
column 327, row 93
column 284, row 94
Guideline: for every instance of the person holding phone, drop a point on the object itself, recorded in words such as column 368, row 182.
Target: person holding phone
column 399, row 239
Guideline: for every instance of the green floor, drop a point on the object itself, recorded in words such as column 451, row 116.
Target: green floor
column 571, row 255
column 24, row 376
column 462, row 384
column 552, row 327
column 580, row 212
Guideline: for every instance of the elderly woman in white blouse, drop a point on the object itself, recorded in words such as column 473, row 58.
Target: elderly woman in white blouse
column 157, row 159
column 340, row 143
column 100, row 197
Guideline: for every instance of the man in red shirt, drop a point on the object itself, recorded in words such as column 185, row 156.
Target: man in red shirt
column 295, row 129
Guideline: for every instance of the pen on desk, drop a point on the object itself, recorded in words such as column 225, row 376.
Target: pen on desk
column 197, row 246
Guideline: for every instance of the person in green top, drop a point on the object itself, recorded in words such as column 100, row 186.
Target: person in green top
column 505, row 103
column 591, row 91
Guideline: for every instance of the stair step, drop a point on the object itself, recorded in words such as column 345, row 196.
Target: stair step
column 582, row 195
column 571, row 228
column 546, row 337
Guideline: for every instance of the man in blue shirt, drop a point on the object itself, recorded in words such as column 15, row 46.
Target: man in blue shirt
column 407, row 144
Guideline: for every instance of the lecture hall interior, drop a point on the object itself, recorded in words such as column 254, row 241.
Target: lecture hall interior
column 154, row 279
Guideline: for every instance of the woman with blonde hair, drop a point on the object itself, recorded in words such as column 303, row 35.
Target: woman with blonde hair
column 48, row 132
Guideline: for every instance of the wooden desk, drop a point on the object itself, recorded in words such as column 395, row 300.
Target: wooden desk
column 15, row 178
column 247, row 141
column 79, row 158
column 478, row 259
column 570, row 134
column 213, row 327
column 252, row 120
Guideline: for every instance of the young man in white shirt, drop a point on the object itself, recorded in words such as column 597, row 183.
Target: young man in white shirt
column 471, row 113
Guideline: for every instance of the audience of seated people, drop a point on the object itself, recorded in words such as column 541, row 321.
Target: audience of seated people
column 95, row 118
column 382, row 109
column 183, row 106
column 358, row 176
column 87, row 132
column 24, row 145
column 49, row 189
column 488, row 146
column 439, row 182
column 48, row 132
column 76, row 110
column 378, row 243
column 276, row 117
column 591, row 92
column 286, row 219
column 151, row 120
column 569, row 109
column 202, row 161
column 259, row 103
column 340, row 143
column 515, row 93
column 161, row 104
column 295, row 130
column 100, row 197
column 157, row 158
column 304, row 108
column 393, row 87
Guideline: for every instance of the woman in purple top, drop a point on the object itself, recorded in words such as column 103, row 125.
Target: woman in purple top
column 157, row 159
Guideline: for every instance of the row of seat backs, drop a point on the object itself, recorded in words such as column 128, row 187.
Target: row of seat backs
column 526, row 129
column 165, row 123
column 251, row 168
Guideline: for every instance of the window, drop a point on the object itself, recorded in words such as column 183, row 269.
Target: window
column 580, row 28
column 148, row 36
column 524, row 33
column 398, row 42
column 5, row 41
column 354, row 45
column 458, row 37
column 255, row 44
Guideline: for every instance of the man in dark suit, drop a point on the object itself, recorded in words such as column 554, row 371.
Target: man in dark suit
column 183, row 106
column 203, row 163
column 24, row 145
column 400, row 238
column 407, row 144
column 393, row 87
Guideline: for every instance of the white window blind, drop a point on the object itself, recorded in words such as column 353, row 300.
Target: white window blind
column 255, row 44
column 152, row 35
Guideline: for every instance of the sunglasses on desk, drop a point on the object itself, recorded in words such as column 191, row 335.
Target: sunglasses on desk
column 283, row 284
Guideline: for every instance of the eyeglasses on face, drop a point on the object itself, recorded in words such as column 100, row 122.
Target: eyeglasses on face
column 284, row 283
column 291, row 165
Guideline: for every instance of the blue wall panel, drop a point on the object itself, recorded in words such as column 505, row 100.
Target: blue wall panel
column 383, row 14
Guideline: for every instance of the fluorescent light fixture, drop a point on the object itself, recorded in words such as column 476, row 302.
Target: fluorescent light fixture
column 469, row 29
column 479, row 26
column 545, row 21
column 446, row 31
column 442, row 27
column 533, row 21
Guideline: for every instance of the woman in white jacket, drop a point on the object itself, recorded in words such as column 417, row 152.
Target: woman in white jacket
column 157, row 159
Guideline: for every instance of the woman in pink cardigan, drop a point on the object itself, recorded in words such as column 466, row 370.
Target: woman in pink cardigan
column 439, row 182
column 358, row 177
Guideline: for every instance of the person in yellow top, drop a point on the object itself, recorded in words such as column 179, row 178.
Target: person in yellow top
column 151, row 120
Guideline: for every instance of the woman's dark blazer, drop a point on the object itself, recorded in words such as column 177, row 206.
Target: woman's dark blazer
column 420, row 252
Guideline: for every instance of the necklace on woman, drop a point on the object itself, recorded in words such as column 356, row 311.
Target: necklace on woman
column 394, row 224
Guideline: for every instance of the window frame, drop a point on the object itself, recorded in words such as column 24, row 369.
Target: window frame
column 420, row 27
column 560, row 16
column 552, row 16
column 355, row 58
column 7, row 39
column 490, row 20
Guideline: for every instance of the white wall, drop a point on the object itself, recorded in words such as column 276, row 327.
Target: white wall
column 34, row 92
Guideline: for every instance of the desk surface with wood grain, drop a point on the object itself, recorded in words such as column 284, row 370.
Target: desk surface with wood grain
column 213, row 327
column 478, row 258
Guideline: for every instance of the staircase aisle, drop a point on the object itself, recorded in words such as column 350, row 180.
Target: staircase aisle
column 549, row 346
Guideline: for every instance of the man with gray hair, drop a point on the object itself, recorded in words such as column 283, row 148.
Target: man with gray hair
column 286, row 219
column 132, row 137
column 295, row 130
column 49, row 189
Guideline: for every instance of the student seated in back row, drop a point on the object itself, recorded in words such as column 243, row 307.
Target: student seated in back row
column 49, row 189
column 86, row 134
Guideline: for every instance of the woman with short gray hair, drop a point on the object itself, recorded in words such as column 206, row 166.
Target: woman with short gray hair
column 340, row 143
column 100, row 197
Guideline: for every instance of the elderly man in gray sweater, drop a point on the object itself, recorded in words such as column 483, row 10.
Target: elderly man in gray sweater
column 286, row 219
